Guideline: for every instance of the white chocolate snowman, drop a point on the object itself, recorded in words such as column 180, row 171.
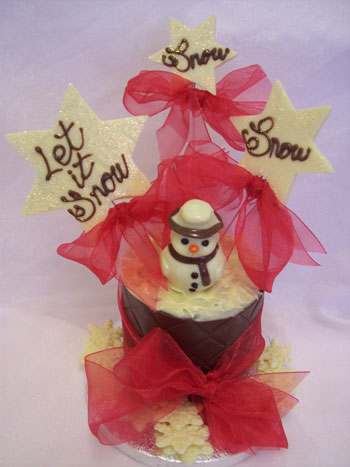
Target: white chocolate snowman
column 193, row 260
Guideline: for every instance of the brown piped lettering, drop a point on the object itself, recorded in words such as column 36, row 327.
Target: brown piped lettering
column 263, row 145
column 177, row 57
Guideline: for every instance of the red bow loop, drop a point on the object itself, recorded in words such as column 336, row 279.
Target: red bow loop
column 151, row 92
column 244, row 415
column 102, row 248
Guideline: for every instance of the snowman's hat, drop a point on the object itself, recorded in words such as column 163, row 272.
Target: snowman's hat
column 196, row 219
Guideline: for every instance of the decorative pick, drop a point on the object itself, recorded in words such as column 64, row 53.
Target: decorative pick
column 280, row 141
column 193, row 53
column 82, row 163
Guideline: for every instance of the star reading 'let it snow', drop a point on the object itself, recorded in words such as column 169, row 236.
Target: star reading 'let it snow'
column 193, row 53
column 280, row 141
column 82, row 163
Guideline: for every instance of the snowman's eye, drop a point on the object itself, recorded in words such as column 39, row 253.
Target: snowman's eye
column 205, row 242
column 185, row 241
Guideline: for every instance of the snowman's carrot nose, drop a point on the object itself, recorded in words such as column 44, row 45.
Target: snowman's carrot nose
column 193, row 248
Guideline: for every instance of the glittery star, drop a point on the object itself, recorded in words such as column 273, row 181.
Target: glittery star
column 82, row 163
column 280, row 141
column 193, row 53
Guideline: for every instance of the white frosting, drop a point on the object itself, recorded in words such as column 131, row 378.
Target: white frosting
column 226, row 298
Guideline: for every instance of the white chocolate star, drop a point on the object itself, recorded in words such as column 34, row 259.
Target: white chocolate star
column 102, row 338
column 280, row 141
column 193, row 53
column 82, row 163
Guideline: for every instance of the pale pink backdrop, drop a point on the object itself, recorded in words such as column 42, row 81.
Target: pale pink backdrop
column 47, row 302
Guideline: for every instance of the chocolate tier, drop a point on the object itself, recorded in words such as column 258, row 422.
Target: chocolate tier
column 202, row 341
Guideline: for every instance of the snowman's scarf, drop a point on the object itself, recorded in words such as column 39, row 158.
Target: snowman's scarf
column 265, row 232
column 200, row 261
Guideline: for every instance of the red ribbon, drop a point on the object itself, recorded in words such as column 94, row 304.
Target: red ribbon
column 266, row 233
column 103, row 247
column 131, row 389
column 152, row 92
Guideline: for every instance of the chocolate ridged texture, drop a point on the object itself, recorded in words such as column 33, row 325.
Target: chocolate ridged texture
column 202, row 341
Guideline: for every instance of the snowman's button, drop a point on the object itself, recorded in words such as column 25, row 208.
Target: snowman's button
column 196, row 212
column 194, row 285
column 194, row 275
column 192, row 290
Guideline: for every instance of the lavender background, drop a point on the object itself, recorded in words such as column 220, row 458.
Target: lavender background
column 47, row 302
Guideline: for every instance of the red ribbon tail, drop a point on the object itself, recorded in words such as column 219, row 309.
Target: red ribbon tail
column 173, row 134
column 222, row 125
column 98, row 248
column 117, row 414
column 282, row 384
column 250, row 82
column 244, row 415
column 269, row 235
column 305, row 241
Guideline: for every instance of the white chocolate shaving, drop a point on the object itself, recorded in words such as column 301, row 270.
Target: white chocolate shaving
column 226, row 298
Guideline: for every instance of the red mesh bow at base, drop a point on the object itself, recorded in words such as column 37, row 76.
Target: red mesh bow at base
column 131, row 389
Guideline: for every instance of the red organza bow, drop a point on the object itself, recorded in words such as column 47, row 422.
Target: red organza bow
column 152, row 92
column 129, row 393
column 103, row 247
column 266, row 233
